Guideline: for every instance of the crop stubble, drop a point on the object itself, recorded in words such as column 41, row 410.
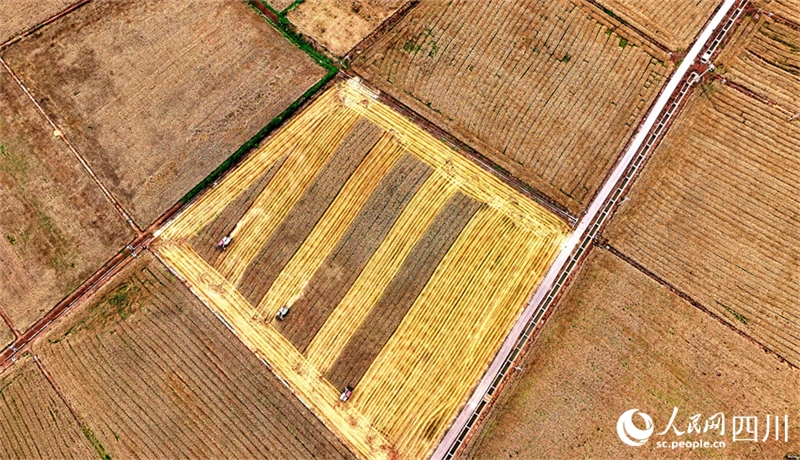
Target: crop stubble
column 20, row 15
column 619, row 340
column 398, row 296
column 205, row 242
column 303, row 217
column 34, row 421
column 340, row 24
column 6, row 336
column 789, row 9
column 674, row 23
column 157, row 375
column 306, row 159
column 157, row 95
column 764, row 57
column 550, row 91
column 345, row 262
column 715, row 214
column 56, row 227
column 381, row 269
column 474, row 286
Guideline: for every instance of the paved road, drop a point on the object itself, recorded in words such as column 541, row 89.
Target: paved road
column 582, row 228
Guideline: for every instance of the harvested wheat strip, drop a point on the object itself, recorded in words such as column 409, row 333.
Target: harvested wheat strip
column 205, row 209
column 307, row 383
column 425, row 372
column 307, row 158
column 382, row 267
column 468, row 252
column 292, row 280
column 470, row 178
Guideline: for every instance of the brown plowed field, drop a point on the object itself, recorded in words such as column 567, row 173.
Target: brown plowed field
column 764, row 57
column 157, row 375
column 716, row 213
column 34, row 421
column 674, row 24
column 550, row 91
column 334, row 278
column 789, row 9
column 56, row 226
column 157, row 95
column 618, row 340
column 453, row 284
column 20, row 15
column 340, row 24
column 301, row 220
column 6, row 336
column 399, row 296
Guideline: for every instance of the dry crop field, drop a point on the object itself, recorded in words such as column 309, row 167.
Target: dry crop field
column 155, row 374
column 716, row 211
column 156, row 95
column 398, row 257
column 6, row 336
column 549, row 91
column 789, row 9
column 20, row 15
column 34, row 421
column 56, row 226
column 619, row 340
column 673, row 24
column 764, row 57
column 280, row 5
column 339, row 25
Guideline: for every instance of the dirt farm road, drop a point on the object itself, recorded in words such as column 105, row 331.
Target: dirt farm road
column 588, row 225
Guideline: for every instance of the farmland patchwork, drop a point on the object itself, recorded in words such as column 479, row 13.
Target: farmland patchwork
column 395, row 256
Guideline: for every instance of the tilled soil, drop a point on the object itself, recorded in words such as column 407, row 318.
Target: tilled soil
column 716, row 211
column 674, row 24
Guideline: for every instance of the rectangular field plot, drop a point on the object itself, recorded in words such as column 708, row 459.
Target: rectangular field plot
column 716, row 213
column 6, row 336
column 34, row 421
column 549, row 91
column 156, row 375
column 56, row 226
column 20, row 15
column 156, row 95
column 340, row 24
column 788, row 9
column 397, row 258
column 764, row 57
column 619, row 340
column 673, row 23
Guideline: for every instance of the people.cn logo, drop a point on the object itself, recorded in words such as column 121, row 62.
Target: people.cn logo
column 629, row 433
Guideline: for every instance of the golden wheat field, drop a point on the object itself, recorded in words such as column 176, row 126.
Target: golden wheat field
column 397, row 258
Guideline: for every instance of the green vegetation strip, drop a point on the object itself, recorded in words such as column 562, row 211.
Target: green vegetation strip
column 285, row 29
column 98, row 447
column 294, row 5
